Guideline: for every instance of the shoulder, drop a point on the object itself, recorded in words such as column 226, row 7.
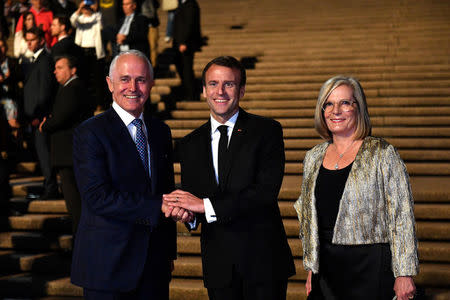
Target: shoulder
column 196, row 134
column 96, row 123
column 372, row 143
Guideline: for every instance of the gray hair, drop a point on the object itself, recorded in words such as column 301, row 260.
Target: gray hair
column 134, row 52
column 363, row 124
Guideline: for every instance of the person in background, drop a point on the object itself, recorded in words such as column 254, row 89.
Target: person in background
column 39, row 88
column 20, row 45
column 187, row 40
column 43, row 18
column 88, row 23
column 62, row 7
column 356, row 207
column 170, row 6
column 132, row 30
column 149, row 9
column 70, row 108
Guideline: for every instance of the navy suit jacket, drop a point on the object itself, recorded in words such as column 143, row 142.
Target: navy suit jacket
column 121, row 221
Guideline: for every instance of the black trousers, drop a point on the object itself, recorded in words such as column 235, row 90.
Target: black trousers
column 240, row 289
column 41, row 144
column 71, row 195
column 184, row 63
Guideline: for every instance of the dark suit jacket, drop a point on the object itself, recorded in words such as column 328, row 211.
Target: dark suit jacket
column 67, row 47
column 186, row 26
column 39, row 87
column 248, row 232
column 121, row 221
column 71, row 107
column 59, row 10
column 137, row 37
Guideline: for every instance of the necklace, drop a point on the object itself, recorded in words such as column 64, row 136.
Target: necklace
column 336, row 166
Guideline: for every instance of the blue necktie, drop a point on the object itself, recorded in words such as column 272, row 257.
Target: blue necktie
column 141, row 143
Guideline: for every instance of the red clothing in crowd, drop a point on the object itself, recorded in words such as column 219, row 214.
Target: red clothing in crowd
column 43, row 17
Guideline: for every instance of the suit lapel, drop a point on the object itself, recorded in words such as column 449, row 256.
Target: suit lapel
column 122, row 135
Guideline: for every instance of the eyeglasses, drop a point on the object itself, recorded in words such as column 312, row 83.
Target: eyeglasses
column 343, row 105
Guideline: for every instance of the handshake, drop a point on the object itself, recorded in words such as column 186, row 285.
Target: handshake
column 181, row 206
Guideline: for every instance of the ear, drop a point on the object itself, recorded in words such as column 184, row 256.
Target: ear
column 204, row 92
column 110, row 84
column 241, row 92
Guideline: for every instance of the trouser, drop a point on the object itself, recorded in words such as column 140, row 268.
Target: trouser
column 184, row 63
column 153, row 36
column 41, row 144
column 240, row 289
column 71, row 195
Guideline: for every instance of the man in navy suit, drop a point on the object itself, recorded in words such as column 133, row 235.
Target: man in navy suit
column 123, row 164
column 231, row 172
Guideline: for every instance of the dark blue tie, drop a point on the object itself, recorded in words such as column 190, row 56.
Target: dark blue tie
column 141, row 143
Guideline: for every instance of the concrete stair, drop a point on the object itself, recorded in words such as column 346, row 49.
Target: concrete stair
column 398, row 50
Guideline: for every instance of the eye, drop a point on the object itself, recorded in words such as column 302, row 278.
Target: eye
column 140, row 80
column 212, row 84
column 328, row 104
column 346, row 102
column 230, row 84
column 124, row 79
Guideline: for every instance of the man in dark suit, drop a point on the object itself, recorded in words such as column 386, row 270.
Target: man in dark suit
column 123, row 164
column 231, row 173
column 65, row 46
column 62, row 7
column 71, row 107
column 39, row 87
column 132, row 30
column 187, row 40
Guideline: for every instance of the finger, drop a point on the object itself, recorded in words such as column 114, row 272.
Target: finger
column 169, row 211
column 185, row 217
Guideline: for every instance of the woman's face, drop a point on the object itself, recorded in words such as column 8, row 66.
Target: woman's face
column 339, row 121
column 29, row 21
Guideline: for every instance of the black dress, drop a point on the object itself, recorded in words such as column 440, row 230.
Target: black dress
column 350, row 272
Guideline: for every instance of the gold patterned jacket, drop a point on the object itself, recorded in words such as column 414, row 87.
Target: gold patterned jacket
column 376, row 206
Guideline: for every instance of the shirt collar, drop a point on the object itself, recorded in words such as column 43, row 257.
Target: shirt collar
column 62, row 37
column 37, row 53
column 125, row 116
column 70, row 79
column 230, row 123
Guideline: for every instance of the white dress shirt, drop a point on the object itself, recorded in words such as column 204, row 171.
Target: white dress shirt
column 125, row 30
column 210, row 214
column 127, row 118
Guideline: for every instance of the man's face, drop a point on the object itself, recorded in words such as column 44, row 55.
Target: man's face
column 222, row 92
column 56, row 28
column 128, row 7
column 37, row 4
column 62, row 71
column 33, row 42
column 131, row 83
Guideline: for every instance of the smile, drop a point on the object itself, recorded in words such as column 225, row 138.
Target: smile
column 131, row 96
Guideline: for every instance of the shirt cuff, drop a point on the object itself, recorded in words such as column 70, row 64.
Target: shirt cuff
column 210, row 214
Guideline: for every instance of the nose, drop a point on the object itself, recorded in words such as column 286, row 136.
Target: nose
column 132, row 85
column 336, row 108
column 220, row 89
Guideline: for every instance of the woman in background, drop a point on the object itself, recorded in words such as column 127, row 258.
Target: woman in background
column 356, row 208
column 20, row 45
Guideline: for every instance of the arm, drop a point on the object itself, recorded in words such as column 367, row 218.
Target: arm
column 97, row 189
column 400, row 216
column 64, row 114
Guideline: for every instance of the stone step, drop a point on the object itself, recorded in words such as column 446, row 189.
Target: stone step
column 403, row 132
column 411, row 121
column 35, row 241
column 42, row 263
column 309, row 112
column 280, row 104
column 44, row 222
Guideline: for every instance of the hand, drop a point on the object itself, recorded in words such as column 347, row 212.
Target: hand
column 185, row 200
column 308, row 283
column 42, row 123
column 120, row 38
column 80, row 6
column 404, row 288
column 182, row 48
column 176, row 213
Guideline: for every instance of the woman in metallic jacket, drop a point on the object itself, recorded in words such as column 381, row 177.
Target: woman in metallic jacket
column 356, row 208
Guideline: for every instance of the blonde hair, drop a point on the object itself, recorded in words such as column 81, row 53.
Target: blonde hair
column 363, row 125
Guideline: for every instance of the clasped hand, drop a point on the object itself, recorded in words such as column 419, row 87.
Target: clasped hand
column 181, row 206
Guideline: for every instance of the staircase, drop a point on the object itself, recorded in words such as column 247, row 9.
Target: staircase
column 400, row 51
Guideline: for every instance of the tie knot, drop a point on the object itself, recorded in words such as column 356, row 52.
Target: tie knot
column 137, row 123
column 223, row 130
